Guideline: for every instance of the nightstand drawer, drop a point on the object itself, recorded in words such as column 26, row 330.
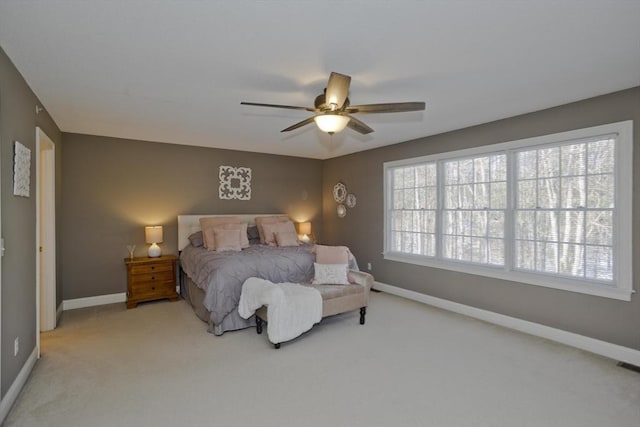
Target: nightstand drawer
column 152, row 277
column 151, row 268
column 157, row 289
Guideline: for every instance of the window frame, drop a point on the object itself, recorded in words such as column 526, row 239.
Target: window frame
column 620, row 288
column 443, row 209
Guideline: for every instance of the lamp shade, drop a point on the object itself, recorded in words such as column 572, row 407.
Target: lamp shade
column 153, row 234
column 331, row 123
column 304, row 228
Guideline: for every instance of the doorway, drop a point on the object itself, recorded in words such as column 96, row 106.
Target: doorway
column 46, row 311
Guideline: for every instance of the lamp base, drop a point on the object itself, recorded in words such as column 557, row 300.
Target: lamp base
column 305, row 238
column 154, row 251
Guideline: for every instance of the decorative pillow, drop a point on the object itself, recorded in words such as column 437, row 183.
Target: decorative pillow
column 332, row 254
column 208, row 223
column 227, row 239
column 270, row 230
column 242, row 228
column 261, row 220
column 286, row 238
column 244, row 238
column 330, row 274
column 252, row 233
column 196, row 239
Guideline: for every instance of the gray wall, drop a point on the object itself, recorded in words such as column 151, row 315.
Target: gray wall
column 601, row 318
column 114, row 187
column 18, row 121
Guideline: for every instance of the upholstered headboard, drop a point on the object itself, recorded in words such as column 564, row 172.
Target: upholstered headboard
column 189, row 224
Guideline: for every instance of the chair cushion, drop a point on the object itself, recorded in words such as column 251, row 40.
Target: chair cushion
column 336, row 291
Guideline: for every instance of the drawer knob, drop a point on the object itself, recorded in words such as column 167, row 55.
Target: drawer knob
column 153, row 277
column 153, row 267
column 153, row 288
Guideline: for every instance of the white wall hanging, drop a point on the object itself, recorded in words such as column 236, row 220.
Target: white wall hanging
column 235, row 183
column 339, row 192
column 351, row 200
column 21, row 170
column 342, row 196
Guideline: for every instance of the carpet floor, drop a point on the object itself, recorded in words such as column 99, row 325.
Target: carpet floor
column 410, row 365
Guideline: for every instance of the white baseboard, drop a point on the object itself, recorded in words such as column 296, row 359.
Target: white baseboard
column 11, row 395
column 72, row 304
column 603, row 348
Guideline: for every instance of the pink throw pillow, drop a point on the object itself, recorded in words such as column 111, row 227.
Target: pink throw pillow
column 242, row 227
column 332, row 254
column 227, row 239
column 271, row 229
column 286, row 238
column 262, row 220
column 208, row 223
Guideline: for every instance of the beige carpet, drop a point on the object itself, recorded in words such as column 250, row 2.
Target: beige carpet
column 410, row 365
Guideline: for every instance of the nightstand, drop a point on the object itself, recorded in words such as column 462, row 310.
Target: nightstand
column 150, row 279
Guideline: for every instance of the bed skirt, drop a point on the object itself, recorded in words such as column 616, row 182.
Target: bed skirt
column 194, row 296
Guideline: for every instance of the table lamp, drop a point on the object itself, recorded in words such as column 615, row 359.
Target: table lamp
column 304, row 228
column 153, row 235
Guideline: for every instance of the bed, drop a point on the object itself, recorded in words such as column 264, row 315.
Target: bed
column 212, row 281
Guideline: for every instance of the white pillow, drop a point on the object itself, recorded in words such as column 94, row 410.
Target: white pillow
column 330, row 274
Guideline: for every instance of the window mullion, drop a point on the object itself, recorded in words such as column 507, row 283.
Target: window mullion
column 558, row 209
column 389, row 210
column 509, row 215
column 585, row 210
column 439, row 208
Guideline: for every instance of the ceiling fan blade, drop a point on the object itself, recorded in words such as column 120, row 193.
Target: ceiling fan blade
column 337, row 89
column 395, row 107
column 359, row 126
column 299, row 124
column 290, row 107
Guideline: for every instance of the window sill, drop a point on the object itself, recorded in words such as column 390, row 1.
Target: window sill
column 552, row 282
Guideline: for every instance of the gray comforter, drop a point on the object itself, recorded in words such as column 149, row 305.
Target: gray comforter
column 221, row 275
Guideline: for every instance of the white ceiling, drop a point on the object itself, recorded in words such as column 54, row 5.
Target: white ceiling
column 176, row 71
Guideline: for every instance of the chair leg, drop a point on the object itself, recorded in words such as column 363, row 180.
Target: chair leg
column 258, row 325
column 363, row 311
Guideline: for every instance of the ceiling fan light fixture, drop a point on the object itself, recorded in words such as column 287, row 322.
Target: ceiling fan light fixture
column 333, row 111
column 331, row 123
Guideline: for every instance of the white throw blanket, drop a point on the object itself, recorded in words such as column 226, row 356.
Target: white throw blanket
column 291, row 308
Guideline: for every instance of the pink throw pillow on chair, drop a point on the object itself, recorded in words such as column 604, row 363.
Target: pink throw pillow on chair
column 332, row 254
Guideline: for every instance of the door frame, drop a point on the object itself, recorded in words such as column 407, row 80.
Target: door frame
column 46, row 310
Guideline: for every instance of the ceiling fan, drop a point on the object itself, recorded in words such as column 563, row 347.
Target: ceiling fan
column 332, row 111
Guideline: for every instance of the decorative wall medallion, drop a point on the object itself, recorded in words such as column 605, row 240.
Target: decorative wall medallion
column 339, row 192
column 21, row 170
column 341, row 211
column 351, row 200
column 235, row 183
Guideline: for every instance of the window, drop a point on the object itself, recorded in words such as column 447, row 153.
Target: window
column 475, row 199
column 564, row 209
column 552, row 211
column 413, row 213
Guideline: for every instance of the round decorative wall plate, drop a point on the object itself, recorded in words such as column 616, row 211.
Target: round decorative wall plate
column 339, row 192
column 351, row 200
column 341, row 211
